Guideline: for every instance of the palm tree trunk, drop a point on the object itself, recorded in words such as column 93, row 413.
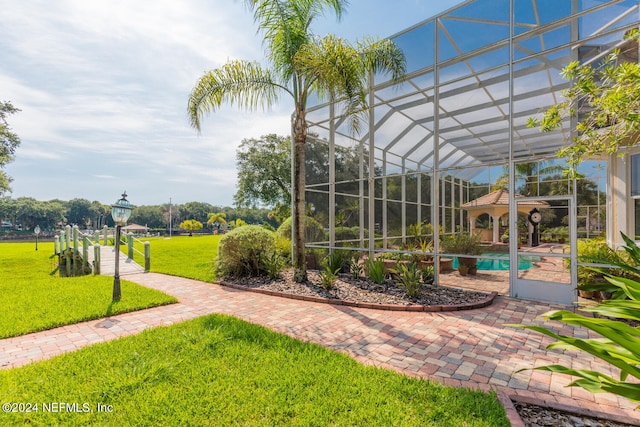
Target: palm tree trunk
column 299, row 131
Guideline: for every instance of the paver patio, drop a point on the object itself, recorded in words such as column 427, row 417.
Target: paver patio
column 464, row 348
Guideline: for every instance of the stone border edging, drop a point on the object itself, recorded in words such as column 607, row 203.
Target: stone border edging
column 389, row 307
column 516, row 420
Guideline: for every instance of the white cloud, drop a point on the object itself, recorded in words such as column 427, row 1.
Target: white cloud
column 103, row 87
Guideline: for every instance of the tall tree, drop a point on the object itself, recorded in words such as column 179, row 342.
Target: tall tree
column 81, row 212
column 301, row 64
column 9, row 141
column 195, row 210
column 218, row 219
column 529, row 172
column 151, row 216
column 264, row 171
column 191, row 225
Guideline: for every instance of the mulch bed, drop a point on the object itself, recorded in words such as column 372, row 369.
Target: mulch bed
column 361, row 290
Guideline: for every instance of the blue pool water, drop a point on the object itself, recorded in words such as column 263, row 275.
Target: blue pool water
column 524, row 262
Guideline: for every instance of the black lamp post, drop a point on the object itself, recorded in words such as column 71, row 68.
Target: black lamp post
column 37, row 232
column 120, row 212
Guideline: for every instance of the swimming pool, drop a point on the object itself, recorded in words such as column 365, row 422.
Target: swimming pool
column 524, row 262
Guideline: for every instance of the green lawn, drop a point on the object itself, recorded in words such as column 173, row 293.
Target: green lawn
column 35, row 298
column 183, row 256
column 218, row 370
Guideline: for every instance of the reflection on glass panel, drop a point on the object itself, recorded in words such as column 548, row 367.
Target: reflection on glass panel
column 319, row 204
column 635, row 175
column 541, row 267
column 411, row 216
column 394, row 218
column 317, row 161
column 530, row 14
column 493, row 10
column 418, row 47
column 636, row 207
column 544, row 42
column 318, row 115
column 457, row 34
column 411, row 186
column 394, row 188
column 347, row 211
column 617, row 15
column 543, row 239
column 395, row 91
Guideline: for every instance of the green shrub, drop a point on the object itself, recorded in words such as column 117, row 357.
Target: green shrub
column 268, row 226
column 350, row 233
column 283, row 247
column 313, row 231
column 242, row 251
column 590, row 250
column 462, row 243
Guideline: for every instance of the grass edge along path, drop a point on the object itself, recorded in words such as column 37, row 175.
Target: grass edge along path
column 219, row 370
column 192, row 257
column 35, row 298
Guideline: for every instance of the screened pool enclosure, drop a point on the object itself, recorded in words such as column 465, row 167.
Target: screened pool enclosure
column 441, row 144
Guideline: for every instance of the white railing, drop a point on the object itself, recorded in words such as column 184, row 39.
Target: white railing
column 71, row 241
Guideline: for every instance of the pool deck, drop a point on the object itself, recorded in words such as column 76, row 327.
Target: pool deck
column 547, row 268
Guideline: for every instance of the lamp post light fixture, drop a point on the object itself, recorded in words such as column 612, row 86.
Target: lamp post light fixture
column 37, row 231
column 120, row 212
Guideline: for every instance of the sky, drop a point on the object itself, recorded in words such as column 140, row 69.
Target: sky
column 103, row 88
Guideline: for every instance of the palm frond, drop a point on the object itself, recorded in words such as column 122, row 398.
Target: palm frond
column 241, row 83
column 337, row 70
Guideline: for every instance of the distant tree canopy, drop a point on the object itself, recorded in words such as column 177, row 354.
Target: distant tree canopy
column 27, row 212
column 9, row 141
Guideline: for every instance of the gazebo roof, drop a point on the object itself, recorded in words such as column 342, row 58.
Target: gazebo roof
column 135, row 227
column 499, row 198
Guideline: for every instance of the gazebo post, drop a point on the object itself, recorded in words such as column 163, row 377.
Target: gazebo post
column 496, row 228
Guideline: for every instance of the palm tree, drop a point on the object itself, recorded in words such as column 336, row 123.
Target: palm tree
column 301, row 64
column 217, row 219
column 530, row 172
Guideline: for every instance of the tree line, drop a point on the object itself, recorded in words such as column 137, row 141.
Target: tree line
column 24, row 213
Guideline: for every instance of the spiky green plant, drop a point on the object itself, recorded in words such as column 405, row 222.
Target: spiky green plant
column 355, row 268
column 376, row 271
column 409, row 278
column 619, row 342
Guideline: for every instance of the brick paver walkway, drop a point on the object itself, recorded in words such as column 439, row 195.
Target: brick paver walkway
column 466, row 348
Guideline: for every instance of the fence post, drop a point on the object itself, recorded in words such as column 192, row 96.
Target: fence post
column 62, row 239
column 147, row 256
column 130, row 245
column 96, row 258
column 85, row 252
column 68, row 257
column 96, row 237
column 67, row 240
column 105, row 229
column 75, row 240
column 56, row 245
